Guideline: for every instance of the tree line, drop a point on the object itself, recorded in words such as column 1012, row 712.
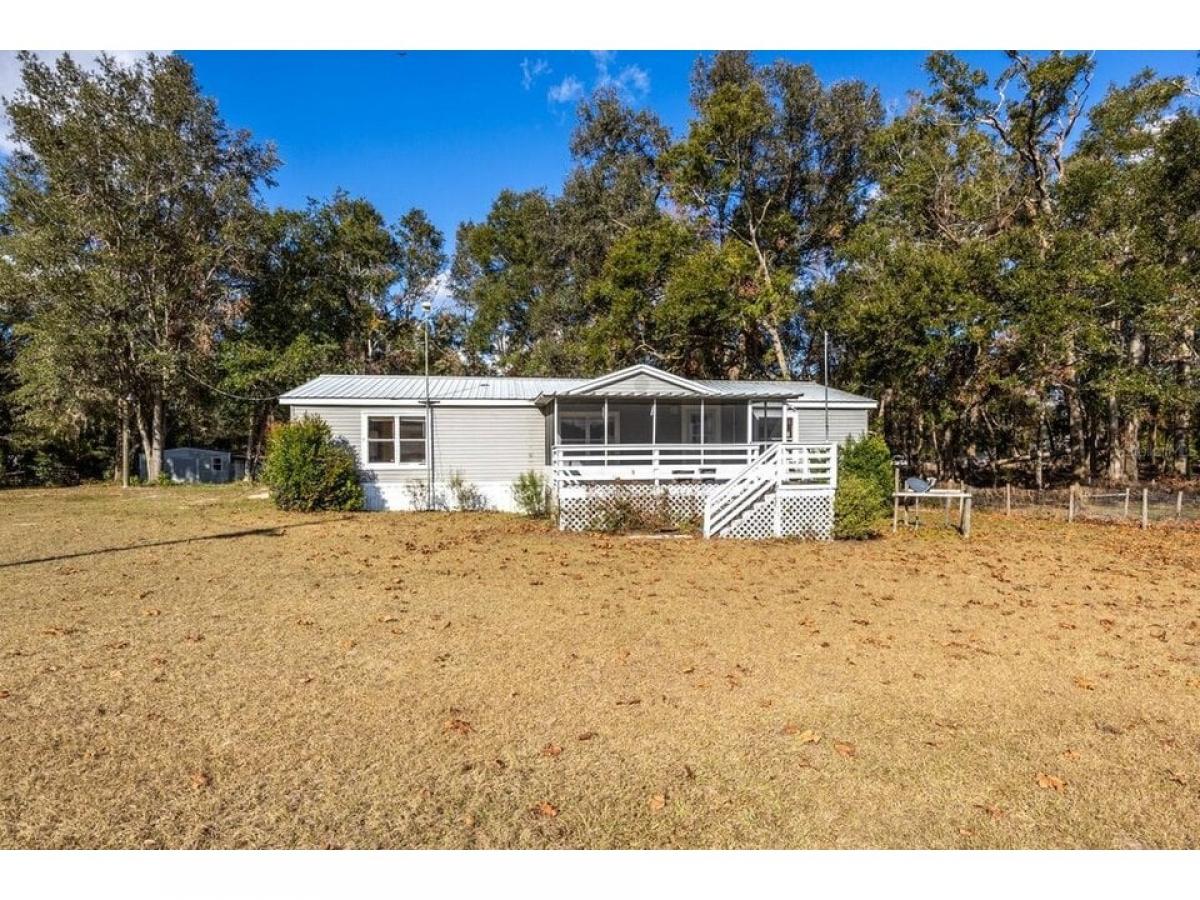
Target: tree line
column 1009, row 264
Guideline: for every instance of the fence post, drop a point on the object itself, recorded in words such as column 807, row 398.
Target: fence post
column 1007, row 500
column 965, row 524
column 1145, row 507
column 895, row 497
column 1127, row 503
column 1071, row 504
column 1179, row 505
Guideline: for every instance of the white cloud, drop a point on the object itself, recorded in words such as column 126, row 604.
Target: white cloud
column 532, row 70
column 566, row 91
column 631, row 80
column 10, row 76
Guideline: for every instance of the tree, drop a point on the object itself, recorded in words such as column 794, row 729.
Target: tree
column 330, row 288
column 1130, row 206
column 127, row 206
column 773, row 161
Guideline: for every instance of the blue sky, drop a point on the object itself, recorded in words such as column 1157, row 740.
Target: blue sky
column 446, row 131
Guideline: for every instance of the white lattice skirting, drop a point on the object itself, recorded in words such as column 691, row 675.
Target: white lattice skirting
column 803, row 514
column 583, row 507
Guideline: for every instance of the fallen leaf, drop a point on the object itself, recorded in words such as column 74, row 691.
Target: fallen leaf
column 387, row 619
column 459, row 726
column 846, row 750
column 790, row 729
column 551, row 750
column 1070, row 754
column 468, row 820
column 808, row 736
column 1179, row 778
column 587, row 736
column 991, row 809
column 1050, row 783
column 657, row 802
column 201, row 780
column 546, row 809
column 1084, row 683
column 4, row 695
column 689, row 772
column 151, row 611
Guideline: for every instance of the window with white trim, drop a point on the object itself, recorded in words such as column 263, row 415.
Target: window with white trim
column 395, row 440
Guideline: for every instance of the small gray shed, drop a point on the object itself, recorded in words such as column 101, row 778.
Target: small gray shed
column 194, row 465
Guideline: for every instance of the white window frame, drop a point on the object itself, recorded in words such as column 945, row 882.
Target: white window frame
column 395, row 415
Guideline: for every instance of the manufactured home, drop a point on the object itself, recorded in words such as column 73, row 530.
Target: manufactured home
column 752, row 458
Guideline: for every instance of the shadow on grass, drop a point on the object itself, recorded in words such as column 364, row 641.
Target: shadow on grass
column 265, row 531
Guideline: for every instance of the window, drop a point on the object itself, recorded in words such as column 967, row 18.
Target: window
column 216, row 464
column 381, row 440
column 395, row 440
column 412, row 441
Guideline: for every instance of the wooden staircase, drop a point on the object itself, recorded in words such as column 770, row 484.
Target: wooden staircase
column 786, row 491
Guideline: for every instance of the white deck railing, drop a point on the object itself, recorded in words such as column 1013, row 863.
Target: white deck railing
column 795, row 464
column 575, row 463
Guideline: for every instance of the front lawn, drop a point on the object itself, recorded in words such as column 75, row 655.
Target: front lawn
column 188, row 667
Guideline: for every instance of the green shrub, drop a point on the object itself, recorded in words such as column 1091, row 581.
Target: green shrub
column 308, row 470
column 466, row 495
column 532, row 494
column 870, row 459
column 858, row 508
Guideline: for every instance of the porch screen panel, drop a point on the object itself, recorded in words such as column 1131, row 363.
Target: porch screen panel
column 581, row 423
column 630, row 422
column 678, row 423
column 724, row 423
column 767, row 422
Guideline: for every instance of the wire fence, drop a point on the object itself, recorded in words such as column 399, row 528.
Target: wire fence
column 1141, row 507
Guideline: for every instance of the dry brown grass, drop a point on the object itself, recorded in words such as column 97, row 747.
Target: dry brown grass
column 482, row 681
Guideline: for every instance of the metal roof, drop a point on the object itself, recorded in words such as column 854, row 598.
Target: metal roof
column 412, row 387
column 493, row 387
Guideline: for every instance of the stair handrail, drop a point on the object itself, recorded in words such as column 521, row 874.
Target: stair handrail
column 734, row 495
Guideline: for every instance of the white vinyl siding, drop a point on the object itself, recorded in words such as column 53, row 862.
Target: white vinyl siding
column 843, row 424
column 641, row 383
column 485, row 444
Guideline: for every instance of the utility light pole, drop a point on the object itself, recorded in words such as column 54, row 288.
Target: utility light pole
column 826, row 380
column 125, row 404
column 426, row 307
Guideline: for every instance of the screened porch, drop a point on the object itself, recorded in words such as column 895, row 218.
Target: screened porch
column 659, row 439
